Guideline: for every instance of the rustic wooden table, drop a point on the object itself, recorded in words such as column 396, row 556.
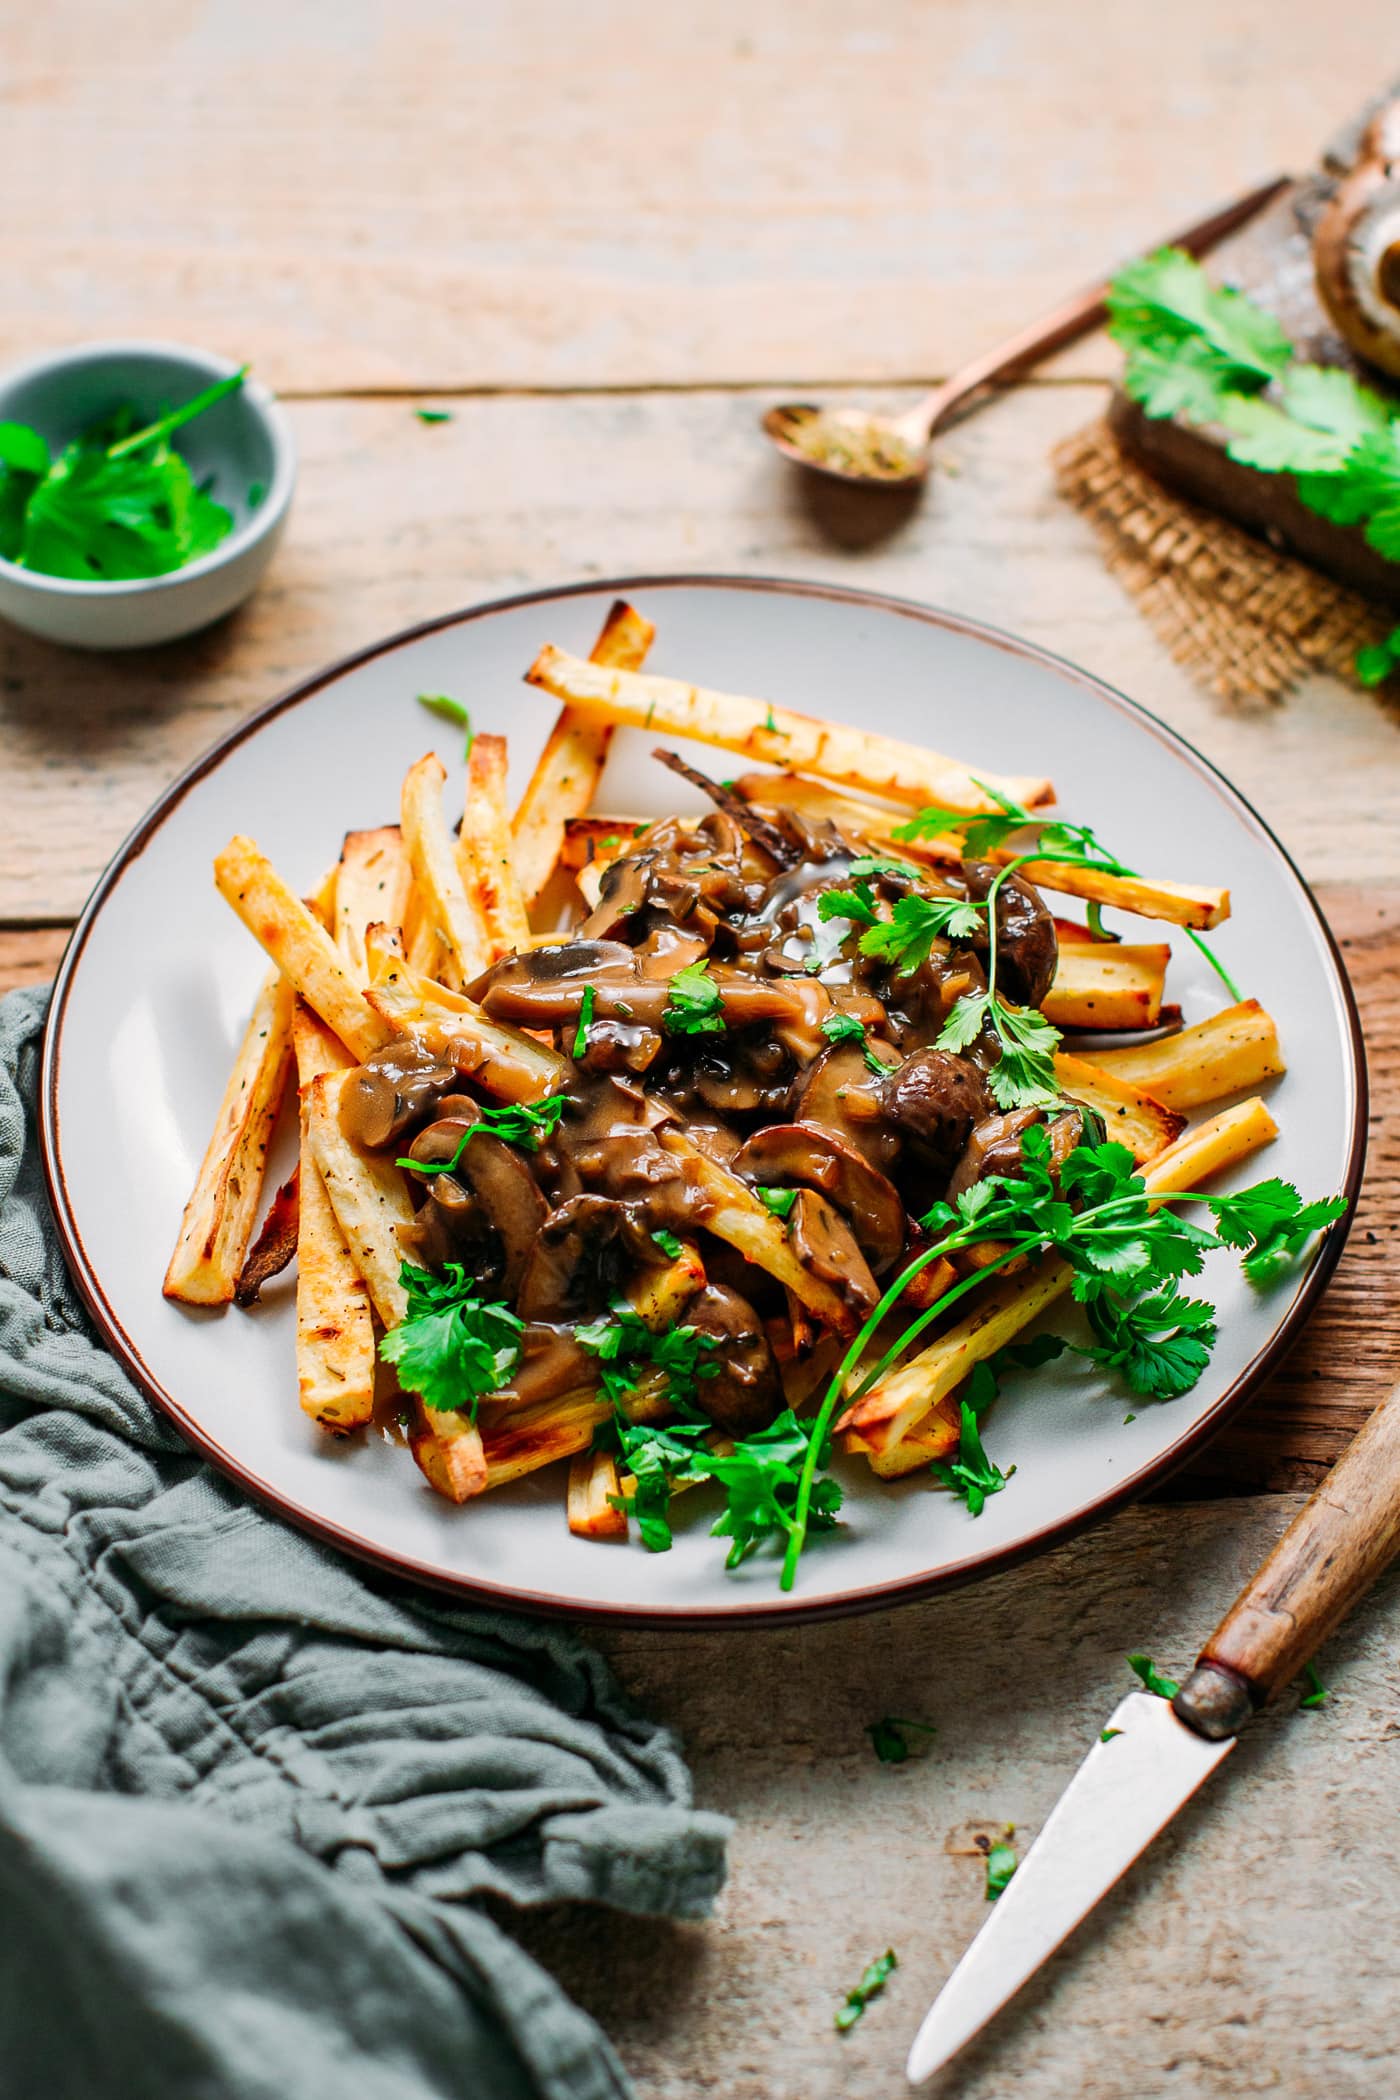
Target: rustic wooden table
column 607, row 236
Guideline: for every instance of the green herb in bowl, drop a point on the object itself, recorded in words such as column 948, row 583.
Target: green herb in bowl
column 116, row 505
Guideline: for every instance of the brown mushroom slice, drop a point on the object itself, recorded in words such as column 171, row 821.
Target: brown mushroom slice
column 503, row 1185
column 839, row 1091
column 552, row 1362
column 809, row 1156
column 391, row 1090
column 825, row 1244
column 743, row 1392
column 1356, row 247
column 570, row 1270
column 993, row 1147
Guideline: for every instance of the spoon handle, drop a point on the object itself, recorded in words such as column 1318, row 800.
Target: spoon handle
column 1086, row 311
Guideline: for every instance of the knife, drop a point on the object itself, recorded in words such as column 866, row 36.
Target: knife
column 1154, row 1753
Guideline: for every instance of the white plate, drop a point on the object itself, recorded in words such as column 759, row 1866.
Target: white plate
column 154, row 989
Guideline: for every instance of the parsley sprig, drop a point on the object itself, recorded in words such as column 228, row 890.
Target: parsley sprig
column 1206, row 354
column 116, row 505
column 451, row 1346
column 695, row 1005
column 670, row 1364
column 522, row 1123
column 872, row 1982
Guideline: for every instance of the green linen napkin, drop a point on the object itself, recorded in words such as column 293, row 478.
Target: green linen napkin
column 248, row 1791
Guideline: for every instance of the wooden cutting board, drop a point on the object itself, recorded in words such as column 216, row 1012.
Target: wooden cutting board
column 1271, row 261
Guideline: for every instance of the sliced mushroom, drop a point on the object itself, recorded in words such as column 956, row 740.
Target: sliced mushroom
column 1356, row 247
column 993, row 1147
column 391, row 1090
column 742, row 1393
column 574, row 1266
column 503, row 1185
column 839, row 1091
column 806, row 1155
column 551, row 1362
column 825, row 1244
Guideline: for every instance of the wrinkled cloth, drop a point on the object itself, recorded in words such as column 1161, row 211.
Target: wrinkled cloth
column 249, row 1791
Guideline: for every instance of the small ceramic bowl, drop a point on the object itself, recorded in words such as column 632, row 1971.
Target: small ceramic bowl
column 243, row 443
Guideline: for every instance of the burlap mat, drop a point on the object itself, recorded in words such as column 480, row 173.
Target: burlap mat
column 1246, row 623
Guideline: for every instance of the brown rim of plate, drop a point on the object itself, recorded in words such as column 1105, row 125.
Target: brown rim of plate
column 778, row 1610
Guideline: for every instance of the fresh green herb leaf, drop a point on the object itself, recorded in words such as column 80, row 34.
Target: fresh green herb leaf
column 695, row 1005
column 870, row 864
column 1160, row 1344
column 889, row 1738
column 451, row 711
column 761, row 1478
column 451, row 1346
column 22, row 450
column 585, row 1021
column 256, row 492
column 843, row 1028
column 1152, row 1681
column 1272, row 1224
column 669, row 1244
column 1165, row 301
column 876, row 1976
column 433, row 415
column 523, row 1124
column 856, row 907
column 630, row 1355
column 905, row 939
column 1001, row 1865
column 1373, row 665
column 658, row 1461
column 770, row 724
column 972, row 1475
column 1317, row 1693
column 779, row 1201
column 1106, row 1735
column 155, row 434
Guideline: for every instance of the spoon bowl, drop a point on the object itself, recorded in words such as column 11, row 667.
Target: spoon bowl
column 850, row 444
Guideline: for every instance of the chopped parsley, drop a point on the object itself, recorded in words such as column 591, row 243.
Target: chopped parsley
column 843, row 1028
column 585, row 1020
column 669, row 1244
column 889, row 1738
column 1317, row 1693
column 1152, row 1681
column 1106, row 1735
column 521, row 1123
column 905, row 939
column 972, row 1475
column 1001, row 1865
column 695, row 1005
column 451, row 1346
column 450, row 710
column 779, row 1201
column 876, row 1976
column 433, row 415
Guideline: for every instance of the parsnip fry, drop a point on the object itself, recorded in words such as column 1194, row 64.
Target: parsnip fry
column 599, row 839
column 223, row 1205
column 592, row 1483
column 1177, row 903
column 449, row 1453
column 1235, row 1049
column 660, row 1295
column 275, row 1245
column 856, row 757
column 484, row 850
column 372, row 886
column 736, row 1216
column 1107, row 984
column 570, row 766
column 904, row 1396
column 335, row 1330
column 1131, row 1117
column 298, row 944
column 530, row 1437
column 452, row 915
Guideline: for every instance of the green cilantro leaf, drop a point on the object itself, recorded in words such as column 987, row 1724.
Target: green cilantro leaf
column 843, row 1028
column 695, row 1005
column 1001, row 1865
column 433, row 415
column 22, row 450
column 1160, row 1344
column 1374, row 663
column 1272, row 1224
column 1164, row 1687
column 1166, row 299
column 972, row 1475
column 658, row 1459
column 761, row 1477
column 521, row 1123
column 629, row 1354
column 905, row 939
column 585, row 1019
column 882, row 864
column 889, row 1738
column 856, row 906
column 1106, row 1735
column 451, row 711
column 876, row 1976
column 451, row 1346
column 669, row 1244
column 779, row 1201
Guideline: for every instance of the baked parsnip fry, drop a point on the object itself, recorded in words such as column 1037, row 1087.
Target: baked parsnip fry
column 855, row 757
column 659, row 1296
column 1131, row 1117
column 566, row 777
column 484, row 850
column 372, row 884
column 600, row 838
column 592, row 1484
column 298, row 943
column 506, row 1061
column 222, row 1209
column 1234, row 1049
column 1107, row 984
column 450, row 913
column 530, row 1437
column 905, row 1395
column 335, row 1329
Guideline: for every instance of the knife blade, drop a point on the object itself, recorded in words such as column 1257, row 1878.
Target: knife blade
column 1127, row 1789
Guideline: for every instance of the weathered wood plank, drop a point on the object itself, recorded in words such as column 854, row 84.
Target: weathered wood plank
column 425, row 196
column 396, row 521
column 1212, row 1971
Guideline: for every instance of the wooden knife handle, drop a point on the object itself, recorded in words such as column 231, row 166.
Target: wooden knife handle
column 1329, row 1556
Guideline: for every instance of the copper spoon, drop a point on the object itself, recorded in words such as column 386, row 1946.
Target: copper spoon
column 855, row 444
